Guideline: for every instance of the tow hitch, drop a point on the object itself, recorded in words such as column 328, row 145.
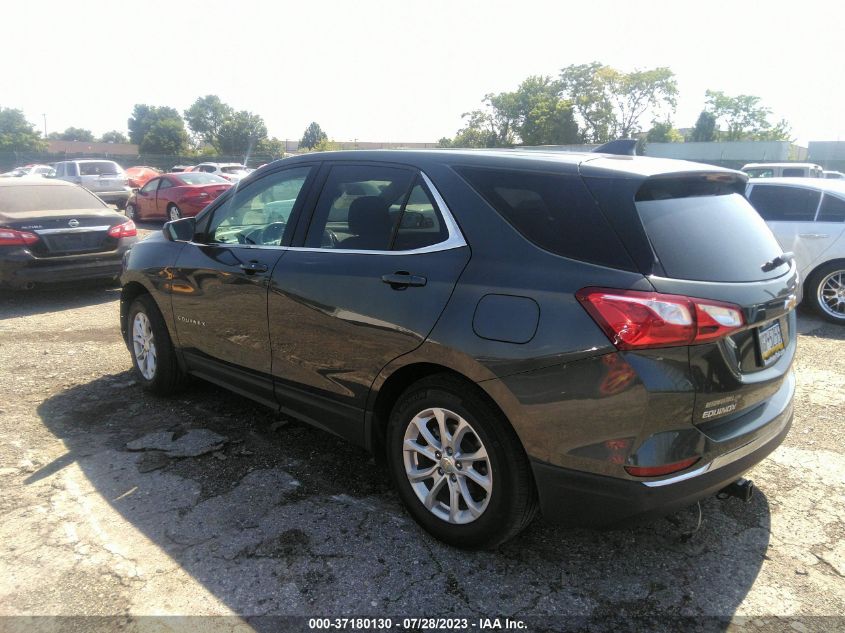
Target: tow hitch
column 741, row 489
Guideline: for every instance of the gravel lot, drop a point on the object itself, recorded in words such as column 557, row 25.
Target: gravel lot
column 283, row 519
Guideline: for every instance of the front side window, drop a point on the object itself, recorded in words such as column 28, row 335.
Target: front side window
column 375, row 208
column 760, row 173
column 260, row 214
column 832, row 209
column 785, row 204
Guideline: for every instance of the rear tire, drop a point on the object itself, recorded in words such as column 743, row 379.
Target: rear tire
column 825, row 290
column 153, row 355
column 475, row 489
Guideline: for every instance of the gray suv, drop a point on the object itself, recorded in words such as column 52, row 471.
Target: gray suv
column 105, row 178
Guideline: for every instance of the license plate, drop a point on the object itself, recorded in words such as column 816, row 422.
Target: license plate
column 771, row 343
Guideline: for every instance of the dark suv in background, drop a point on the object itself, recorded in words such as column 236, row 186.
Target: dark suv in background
column 601, row 336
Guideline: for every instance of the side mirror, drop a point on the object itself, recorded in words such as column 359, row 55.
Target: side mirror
column 181, row 230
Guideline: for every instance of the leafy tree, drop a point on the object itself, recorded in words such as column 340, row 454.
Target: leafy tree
column 663, row 132
column 241, row 133
column 114, row 137
column 18, row 134
column 543, row 118
column 744, row 119
column 611, row 103
column 705, row 128
column 144, row 117
column 325, row 145
column 165, row 136
column 72, row 134
column 272, row 146
column 206, row 117
column 312, row 136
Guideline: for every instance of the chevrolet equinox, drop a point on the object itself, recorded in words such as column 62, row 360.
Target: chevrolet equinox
column 599, row 337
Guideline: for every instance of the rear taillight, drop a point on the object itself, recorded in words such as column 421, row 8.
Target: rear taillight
column 127, row 229
column 633, row 319
column 11, row 237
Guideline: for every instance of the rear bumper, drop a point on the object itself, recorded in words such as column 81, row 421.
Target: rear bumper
column 571, row 497
column 21, row 268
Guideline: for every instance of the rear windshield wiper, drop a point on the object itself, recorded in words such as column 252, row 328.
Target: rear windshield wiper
column 780, row 260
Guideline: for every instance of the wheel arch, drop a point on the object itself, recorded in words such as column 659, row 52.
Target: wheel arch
column 836, row 260
column 128, row 293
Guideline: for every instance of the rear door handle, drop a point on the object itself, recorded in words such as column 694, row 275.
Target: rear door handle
column 814, row 236
column 250, row 268
column 401, row 280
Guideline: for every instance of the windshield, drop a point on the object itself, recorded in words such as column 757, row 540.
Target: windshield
column 46, row 198
column 710, row 238
column 201, row 178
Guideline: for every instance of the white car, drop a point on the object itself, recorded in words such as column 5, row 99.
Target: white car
column 232, row 172
column 807, row 216
column 30, row 170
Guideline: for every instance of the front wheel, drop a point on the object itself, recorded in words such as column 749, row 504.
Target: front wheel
column 173, row 212
column 131, row 211
column 153, row 354
column 826, row 289
column 458, row 465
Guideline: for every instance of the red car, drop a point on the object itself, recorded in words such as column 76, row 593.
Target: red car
column 174, row 196
column 140, row 175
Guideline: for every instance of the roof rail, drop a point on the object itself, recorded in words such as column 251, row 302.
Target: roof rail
column 620, row 147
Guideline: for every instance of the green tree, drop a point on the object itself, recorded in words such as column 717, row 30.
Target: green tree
column 145, row 116
column 272, row 146
column 206, row 117
column 165, row 136
column 705, row 128
column 241, row 133
column 73, row 134
column 313, row 134
column 114, row 137
column 663, row 132
column 543, row 118
column 611, row 103
column 18, row 134
column 743, row 118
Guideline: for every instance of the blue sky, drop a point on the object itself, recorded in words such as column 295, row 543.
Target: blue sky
column 406, row 70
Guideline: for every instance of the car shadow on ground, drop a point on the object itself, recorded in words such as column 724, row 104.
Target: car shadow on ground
column 285, row 519
column 57, row 297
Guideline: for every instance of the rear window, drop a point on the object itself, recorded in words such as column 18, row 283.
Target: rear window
column 707, row 232
column 554, row 211
column 233, row 169
column 46, row 198
column 200, row 178
column 99, row 168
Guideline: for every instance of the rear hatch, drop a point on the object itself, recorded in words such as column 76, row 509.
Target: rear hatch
column 102, row 176
column 67, row 220
column 695, row 234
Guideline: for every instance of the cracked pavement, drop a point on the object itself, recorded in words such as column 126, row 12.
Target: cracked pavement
column 283, row 519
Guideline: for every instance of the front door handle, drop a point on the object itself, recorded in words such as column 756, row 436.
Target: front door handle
column 402, row 279
column 250, row 268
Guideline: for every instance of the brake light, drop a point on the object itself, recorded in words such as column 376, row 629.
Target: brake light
column 633, row 319
column 127, row 229
column 11, row 237
column 665, row 469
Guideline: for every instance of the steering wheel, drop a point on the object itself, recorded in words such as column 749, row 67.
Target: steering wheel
column 272, row 233
column 329, row 239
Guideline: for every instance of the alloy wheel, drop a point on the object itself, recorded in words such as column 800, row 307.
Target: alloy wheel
column 143, row 343
column 831, row 294
column 447, row 465
column 173, row 212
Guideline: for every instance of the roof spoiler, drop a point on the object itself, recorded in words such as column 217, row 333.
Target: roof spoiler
column 620, row 147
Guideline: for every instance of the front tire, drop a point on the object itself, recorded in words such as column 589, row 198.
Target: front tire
column 153, row 355
column 826, row 291
column 173, row 212
column 458, row 465
column 131, row 212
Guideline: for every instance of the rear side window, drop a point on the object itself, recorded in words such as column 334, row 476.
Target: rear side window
column 706, row 235
column 832, row 209
column 794, row 171
column 785, row 204
column 554, row 211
